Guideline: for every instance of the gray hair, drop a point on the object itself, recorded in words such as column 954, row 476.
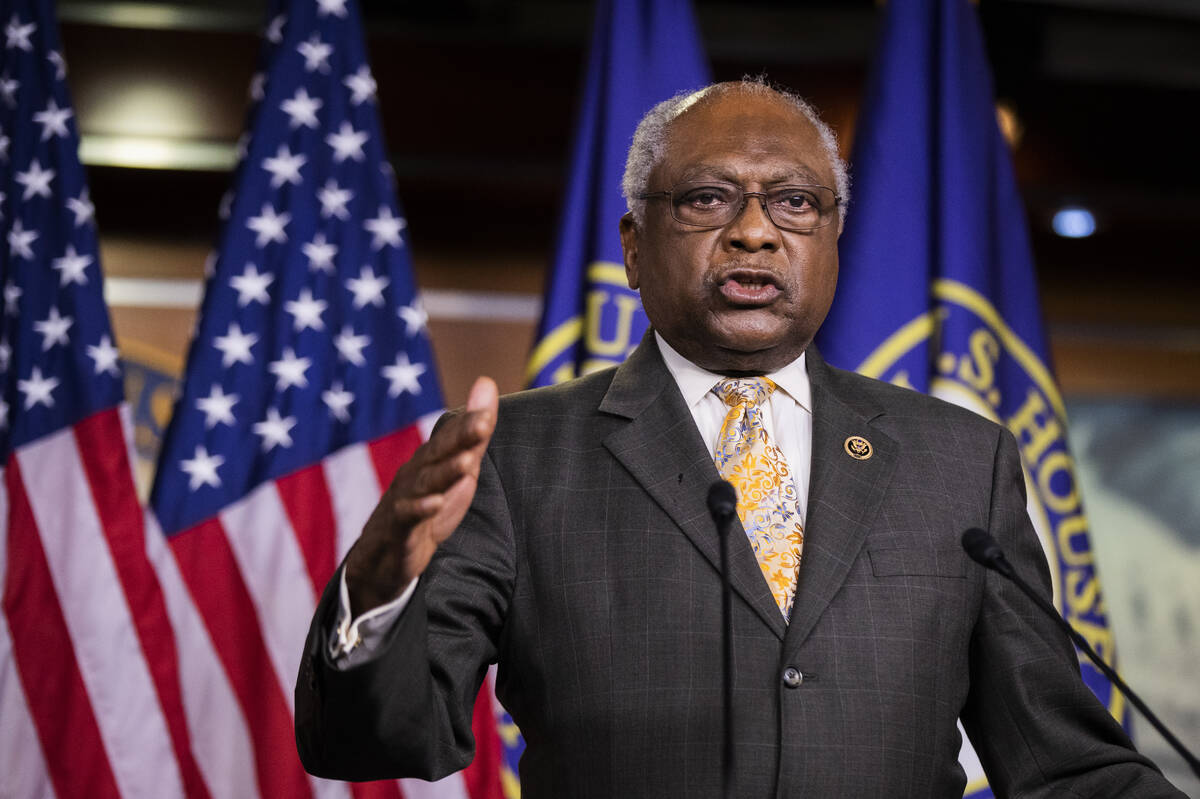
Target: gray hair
column 650, row 139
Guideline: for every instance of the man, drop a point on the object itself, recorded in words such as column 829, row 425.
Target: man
column 563, row 533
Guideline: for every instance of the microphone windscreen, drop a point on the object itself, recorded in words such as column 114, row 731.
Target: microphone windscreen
column 722, row 499
column 981, row 547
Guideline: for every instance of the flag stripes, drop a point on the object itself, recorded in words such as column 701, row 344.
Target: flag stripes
column 75, row 759
column 121, row 517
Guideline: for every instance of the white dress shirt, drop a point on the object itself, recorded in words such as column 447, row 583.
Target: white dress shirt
column 788, row 419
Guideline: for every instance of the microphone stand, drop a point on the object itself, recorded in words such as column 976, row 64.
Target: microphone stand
column 722, row 505
column 983, row 549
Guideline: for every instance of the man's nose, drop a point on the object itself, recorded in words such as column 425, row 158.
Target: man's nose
column 752, row 229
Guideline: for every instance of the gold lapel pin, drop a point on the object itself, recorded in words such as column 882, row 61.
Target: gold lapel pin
column 859, row 448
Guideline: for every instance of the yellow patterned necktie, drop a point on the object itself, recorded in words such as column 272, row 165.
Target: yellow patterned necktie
column 767, row 498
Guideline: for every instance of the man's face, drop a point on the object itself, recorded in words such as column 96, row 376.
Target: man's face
column 747, row 297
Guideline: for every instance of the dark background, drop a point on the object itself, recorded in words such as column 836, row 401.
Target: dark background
column 480, row 95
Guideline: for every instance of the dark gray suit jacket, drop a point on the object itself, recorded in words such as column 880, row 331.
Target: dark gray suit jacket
column 588, row 568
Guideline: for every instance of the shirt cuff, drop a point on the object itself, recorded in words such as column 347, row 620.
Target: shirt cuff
column 366, row 632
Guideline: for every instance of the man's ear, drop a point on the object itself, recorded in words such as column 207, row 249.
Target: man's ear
column 629, row 234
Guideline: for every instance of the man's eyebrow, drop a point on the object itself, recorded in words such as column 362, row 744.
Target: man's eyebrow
column 797, row 174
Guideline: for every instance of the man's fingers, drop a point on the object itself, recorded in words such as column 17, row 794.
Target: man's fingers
column 483, row 395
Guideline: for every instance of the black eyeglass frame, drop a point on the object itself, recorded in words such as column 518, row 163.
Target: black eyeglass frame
column 746, row 195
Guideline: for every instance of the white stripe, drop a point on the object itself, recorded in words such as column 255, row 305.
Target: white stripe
column 221, row 741
column 273, row 569
column 106, row 645
column 452, row 787
column 23, row 770
column 354, row 489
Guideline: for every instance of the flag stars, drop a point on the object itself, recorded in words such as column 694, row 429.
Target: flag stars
column 53, row 120
column 361, row 85
column 302, row 109
column 217, row 407
column 289, row 370
column 258, row 86
column 403, row 376
column 306, row 311
column 202, row 469
column 367, row 288
column 284, row 167
column 320, row 254
column 251, row 286
column 269, row 226
column 333, row 200
column 385, row 229
column 12, row 293
column 53, row 329
column 350, row 346
column 71, row 267
column 414, row 316
column 59, row 63
column 36, row 180
column 82, row 208
column 275, row 29
column 8, row 88
column 335, row 7
column 316, row 53
column 17, row 35
column 4, row 144
column 235, row 346
column 275, row 430
column 347, row 143
column 338, row 400
column 19, row 241
column 104, row 355
column 38, row 390
column 5, row 356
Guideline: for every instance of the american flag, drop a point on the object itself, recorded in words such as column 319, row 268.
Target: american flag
column 90, row 696
column 309, row 381
column 134, row 663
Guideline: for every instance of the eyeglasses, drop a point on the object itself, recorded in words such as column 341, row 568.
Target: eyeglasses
column 713, row 204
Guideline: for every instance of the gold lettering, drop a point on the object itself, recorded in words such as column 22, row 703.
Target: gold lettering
column 978, row 371
column 1082, row 591
column 1033, row 428
column 1100, row 637
column 627, row 305
column 1054, row 463
column 1073, row 556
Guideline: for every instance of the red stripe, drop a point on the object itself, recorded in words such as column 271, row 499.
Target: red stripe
column 482, row 776
column 383, row 789
column 215, row 583
column 309, row 508
column 101, row 445
column 388, row 452
column 45, row 658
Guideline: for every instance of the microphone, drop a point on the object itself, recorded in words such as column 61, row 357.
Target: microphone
column 722, row 506
column 983, row 549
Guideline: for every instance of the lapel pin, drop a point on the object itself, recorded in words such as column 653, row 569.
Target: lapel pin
column 858, row 448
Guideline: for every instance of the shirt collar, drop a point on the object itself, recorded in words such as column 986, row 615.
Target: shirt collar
column 695, row 382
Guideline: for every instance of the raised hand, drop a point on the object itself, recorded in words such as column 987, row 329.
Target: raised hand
column 424, row 504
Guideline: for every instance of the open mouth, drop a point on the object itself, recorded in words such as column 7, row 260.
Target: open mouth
column 749, row 288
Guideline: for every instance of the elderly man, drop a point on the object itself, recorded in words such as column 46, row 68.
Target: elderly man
column 563, row 533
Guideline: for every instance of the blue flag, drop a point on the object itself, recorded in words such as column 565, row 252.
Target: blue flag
column 643, row 52
column 938, row 291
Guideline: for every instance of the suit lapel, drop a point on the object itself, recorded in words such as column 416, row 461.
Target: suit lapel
column 844, row 494
column 662, row 449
